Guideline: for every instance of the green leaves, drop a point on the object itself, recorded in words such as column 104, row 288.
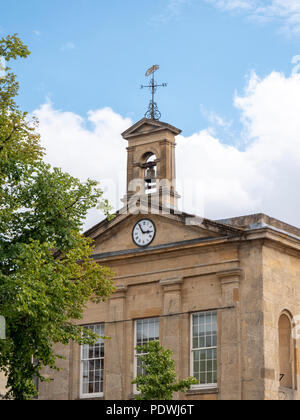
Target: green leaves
column 47, row 275
column 12, row 47
column 159, row 380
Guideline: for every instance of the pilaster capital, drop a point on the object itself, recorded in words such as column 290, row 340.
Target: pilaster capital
column 230, row 276
column 230, row 282
column 120, row 292
column 173, row 284
column 165, row 141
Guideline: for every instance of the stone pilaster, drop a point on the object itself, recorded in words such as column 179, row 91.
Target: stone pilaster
column 115, row 347
column 170, row 326
column 230, row 337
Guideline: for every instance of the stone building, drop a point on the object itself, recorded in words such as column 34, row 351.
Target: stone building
column 223, row 295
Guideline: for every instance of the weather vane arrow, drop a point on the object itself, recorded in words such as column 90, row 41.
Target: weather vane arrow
column 153, row 112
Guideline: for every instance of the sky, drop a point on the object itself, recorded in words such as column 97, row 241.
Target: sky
column 233, row 74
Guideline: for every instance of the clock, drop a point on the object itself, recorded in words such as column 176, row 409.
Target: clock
column 143, row 232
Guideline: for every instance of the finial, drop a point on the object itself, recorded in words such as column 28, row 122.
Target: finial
column 153, row 112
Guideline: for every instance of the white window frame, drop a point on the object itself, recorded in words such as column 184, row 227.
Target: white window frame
column 201, row 386
column 135, row 354
column 95, row 394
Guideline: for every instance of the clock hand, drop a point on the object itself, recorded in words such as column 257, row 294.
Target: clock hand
column 141, row 228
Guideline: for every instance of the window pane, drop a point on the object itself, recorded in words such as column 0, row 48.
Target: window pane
column 202, row 378
column 140, row 370
column 201, row 342
column 146, row 330
column 91, row 352
column 92, row 376
column 204, row 341
column 93, row 363
column 215, row 379
column 97, row 387
column 209, row 378
column 208, row 341
column 102, row 350
column 203, row 366
column 214, row 321
column 85, row 352
column 151, row 330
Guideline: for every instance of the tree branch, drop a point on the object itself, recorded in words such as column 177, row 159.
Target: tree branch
column 8, row 138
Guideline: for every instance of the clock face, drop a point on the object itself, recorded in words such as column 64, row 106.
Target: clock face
column 143, row 232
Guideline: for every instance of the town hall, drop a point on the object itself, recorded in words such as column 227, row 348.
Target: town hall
column 223, row 295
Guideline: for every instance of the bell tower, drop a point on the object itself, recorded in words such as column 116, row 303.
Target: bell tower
column 151, row 156
column 151, row 163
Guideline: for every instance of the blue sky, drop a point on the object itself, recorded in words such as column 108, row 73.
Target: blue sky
column 87, row 54
column 232, row 89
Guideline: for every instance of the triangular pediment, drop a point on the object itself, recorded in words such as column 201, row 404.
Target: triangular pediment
column 146, row 126
column 116, row 235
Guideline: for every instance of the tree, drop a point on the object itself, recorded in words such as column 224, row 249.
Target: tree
column 46, row 273
column 159, row 379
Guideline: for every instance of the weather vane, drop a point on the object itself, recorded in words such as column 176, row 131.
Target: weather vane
column 153, row 112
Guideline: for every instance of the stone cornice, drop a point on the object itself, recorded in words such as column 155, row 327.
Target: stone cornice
column 279, row 238
column 158, row 249
column 156, row 126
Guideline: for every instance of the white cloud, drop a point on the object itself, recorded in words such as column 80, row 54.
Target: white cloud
column 89, row 147
column 263, row 176
column 214, row 118
column 285, row 11
column 68, row 46
column 233, row 4
column 171, row 11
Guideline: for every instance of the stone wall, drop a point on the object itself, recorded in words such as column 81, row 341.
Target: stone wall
column 281, row 295
column 251, row 345
column 249, row 282
column 171, row 287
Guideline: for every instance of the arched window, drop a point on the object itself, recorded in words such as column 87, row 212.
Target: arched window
column 285, row 351
column 150, row 167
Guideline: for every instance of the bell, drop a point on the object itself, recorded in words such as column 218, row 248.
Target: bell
column 150, row 175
